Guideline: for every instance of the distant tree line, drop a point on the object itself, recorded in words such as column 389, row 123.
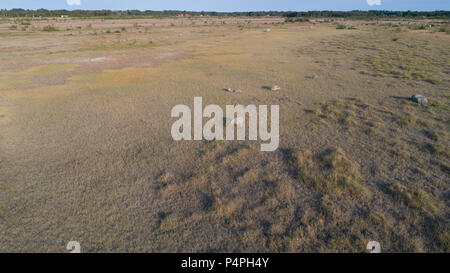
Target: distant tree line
column 168, row 13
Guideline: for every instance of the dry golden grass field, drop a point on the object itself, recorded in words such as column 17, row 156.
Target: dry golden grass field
column 86, row 152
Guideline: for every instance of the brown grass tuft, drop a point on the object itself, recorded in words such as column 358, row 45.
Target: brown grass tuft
column 330, row 172
column 413, row 198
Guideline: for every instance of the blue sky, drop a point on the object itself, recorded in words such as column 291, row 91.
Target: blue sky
column 230, row 5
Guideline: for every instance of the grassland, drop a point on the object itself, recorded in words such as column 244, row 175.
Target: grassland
column 86, row 152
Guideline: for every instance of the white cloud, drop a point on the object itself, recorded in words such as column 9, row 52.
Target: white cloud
column 373, row 2
column 73, row 2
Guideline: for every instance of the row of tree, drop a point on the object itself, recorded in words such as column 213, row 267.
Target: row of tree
column 168, row 13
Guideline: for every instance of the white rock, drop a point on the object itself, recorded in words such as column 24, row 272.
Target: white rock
column 419, row 99
column 275, row 88
column 99, row 59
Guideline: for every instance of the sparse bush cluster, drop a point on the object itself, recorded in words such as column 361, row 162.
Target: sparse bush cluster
column 418, row 26
column 296, row 20
column 49, row 28
column 445, row 29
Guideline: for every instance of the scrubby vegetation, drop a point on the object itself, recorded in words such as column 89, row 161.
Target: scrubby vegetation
column 49, row 28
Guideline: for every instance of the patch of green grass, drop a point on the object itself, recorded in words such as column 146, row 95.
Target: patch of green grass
column 341, row 26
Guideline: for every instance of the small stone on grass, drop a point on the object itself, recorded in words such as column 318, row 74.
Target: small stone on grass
column 419, row 99
column 274, row 88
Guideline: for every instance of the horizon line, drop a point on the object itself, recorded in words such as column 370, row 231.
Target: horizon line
column 369, row 10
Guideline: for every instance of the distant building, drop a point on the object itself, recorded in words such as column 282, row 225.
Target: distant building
column 64, row 16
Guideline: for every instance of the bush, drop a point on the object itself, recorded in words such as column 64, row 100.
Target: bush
column 49, row 28
column 341, row 27
column 417, row 27
column 293, row 20
column 13, row 27
column 444, row 29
